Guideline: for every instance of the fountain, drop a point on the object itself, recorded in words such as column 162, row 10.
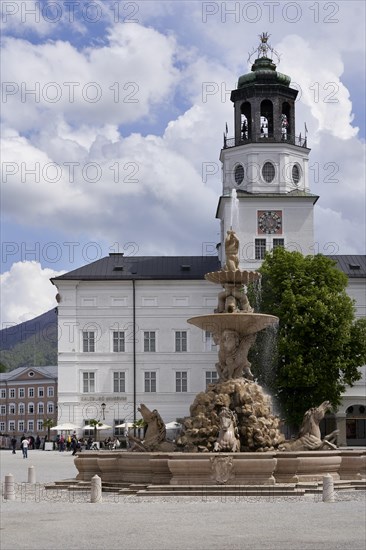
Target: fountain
column 231, row 436
column 234, row 326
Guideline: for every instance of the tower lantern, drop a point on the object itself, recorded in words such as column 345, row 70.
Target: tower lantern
column 264, row 102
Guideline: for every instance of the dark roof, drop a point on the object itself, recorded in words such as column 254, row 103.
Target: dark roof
column 117, row 267
column 354, row 266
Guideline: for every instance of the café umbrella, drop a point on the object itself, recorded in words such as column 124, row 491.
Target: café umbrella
column 98, row 427
column 65, row 427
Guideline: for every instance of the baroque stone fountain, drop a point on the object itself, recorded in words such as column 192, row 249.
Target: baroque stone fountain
column 231, row 436
column 234, row 327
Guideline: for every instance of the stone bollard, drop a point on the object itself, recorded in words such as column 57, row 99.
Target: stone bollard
column 96, row 489
column 9, row 488
column 31, row 474
column 328, row 488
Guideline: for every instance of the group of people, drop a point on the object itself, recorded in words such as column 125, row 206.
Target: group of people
column 25, row 444
column 62, row 443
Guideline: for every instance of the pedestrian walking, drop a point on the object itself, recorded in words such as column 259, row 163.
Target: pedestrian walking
column 25, row 444
column 13, row 444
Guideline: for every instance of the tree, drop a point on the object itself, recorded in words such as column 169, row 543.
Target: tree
column 48, row 423
column 320, row 345
column 95, row 423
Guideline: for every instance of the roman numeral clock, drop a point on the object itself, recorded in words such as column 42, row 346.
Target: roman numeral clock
column 270, row 222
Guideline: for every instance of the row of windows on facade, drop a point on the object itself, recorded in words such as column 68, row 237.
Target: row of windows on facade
column 12, row 392
column 119, row 341
column 150, row 381
column 268, row 173
column 261, row 247
column 30, row 408
column 22, row 426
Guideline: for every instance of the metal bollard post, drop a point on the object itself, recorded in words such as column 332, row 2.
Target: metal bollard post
column 96, row 489
column 328, row 488
column 9, row 489
column 31, row 474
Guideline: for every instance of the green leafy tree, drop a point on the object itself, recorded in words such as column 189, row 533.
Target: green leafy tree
column 320, row 345
column 48, row 423
column 95, row 423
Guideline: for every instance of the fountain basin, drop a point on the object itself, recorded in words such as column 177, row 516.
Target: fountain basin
column 237, row 277
column 243, row 323
column 220, row 468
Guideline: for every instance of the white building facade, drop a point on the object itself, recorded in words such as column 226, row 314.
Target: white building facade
column 124, row 337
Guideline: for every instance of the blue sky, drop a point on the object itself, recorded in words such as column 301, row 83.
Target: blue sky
column 107, row 153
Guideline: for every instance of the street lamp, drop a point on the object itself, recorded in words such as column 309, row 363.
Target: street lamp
column 103, row 405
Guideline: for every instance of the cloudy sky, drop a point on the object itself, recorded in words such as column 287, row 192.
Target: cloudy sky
column 112, row 112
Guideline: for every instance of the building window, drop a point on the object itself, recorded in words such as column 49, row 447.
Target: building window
column 118, row 341
column 3, row 394
column 88, row 341
column 296, row 174
column 239, row 174
column 11, row 425
column 3, row 409
column 12, row 393
column 30, row 408
column 20, row 425
column 39, row 425
column 150, row 382
column 119, row 382
column 50, row 391
column 21, row 393
column 260, row 249
column 40, row 392
column 181, row 340
column 40, row 408
column 88, row 382
column 30, row 392
column 278, row 243
column 181, row 381
column 211, row 377
column 118, row 431
column 50, row 408
column 21, row 408
column 149, row 341
column 268, row 172
column 209, row 341
column 30, row 425
column 11, row 408
column 2, row 426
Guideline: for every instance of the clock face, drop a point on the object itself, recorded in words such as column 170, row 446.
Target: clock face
column 270, row 222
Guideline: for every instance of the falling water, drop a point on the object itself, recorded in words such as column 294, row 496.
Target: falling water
column 234, row 212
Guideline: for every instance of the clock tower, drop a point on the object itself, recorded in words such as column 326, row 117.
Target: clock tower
column 266, row 197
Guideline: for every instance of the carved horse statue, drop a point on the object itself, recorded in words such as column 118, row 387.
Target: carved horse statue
column 155, row 435
column 309, row 437
column 228, row 439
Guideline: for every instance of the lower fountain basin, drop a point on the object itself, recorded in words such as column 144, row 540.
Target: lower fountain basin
column 243, row 323
column 224, row 468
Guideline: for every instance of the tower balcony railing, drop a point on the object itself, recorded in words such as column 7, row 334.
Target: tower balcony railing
column 264, row 138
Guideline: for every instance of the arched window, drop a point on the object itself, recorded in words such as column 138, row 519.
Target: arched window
column 286, row 121
column 266, row 118
column 246, row 120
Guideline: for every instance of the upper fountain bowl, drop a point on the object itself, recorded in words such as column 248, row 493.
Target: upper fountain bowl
column 237, row 277
column 243, row 323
